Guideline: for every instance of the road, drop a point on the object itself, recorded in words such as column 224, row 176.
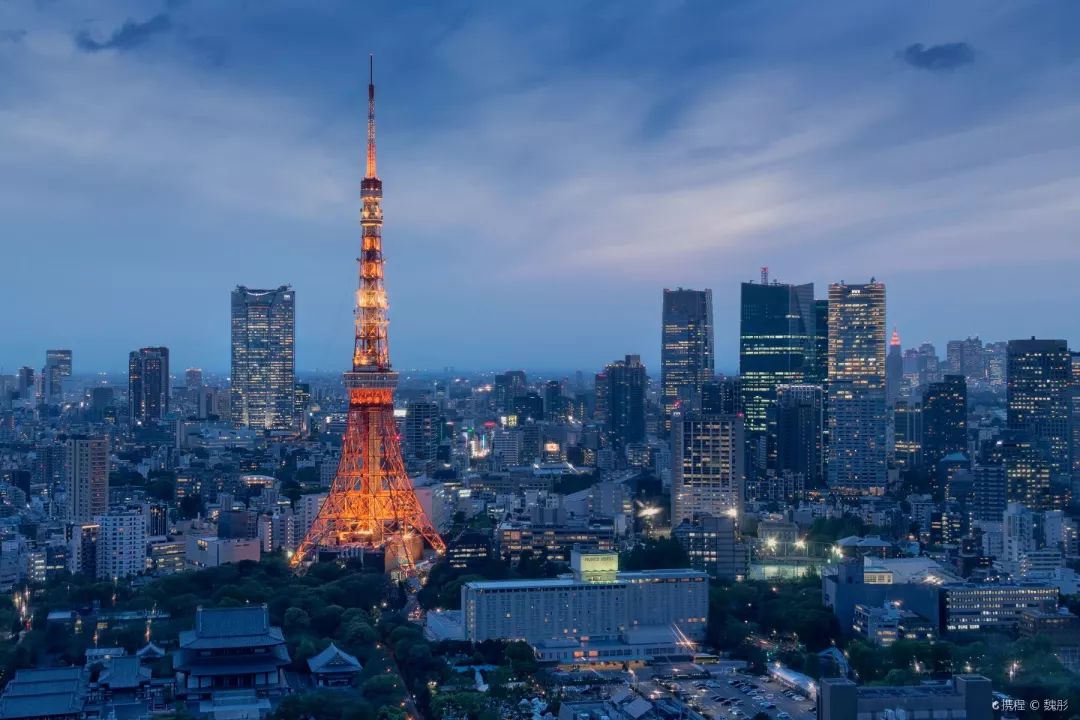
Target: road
column 731, row 703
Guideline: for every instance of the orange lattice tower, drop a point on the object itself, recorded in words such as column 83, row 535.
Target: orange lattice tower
column 371, row 505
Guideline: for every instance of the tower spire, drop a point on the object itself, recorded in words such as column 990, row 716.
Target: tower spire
column 372, row 505
column 371, row 119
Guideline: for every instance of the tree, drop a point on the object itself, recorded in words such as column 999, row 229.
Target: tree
column 659, row 554
column 383, row 690
column 191, row 506
column 522, row 659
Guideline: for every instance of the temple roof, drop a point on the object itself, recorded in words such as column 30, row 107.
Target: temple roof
column 247, row 626
column 333, row 660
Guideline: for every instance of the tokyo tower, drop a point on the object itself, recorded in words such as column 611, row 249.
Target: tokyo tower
column 371, row 505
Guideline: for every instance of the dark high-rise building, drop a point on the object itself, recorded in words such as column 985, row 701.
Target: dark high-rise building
column 944, row 415
column 894, row 369
column 148, row 384
column 1027, row 470
column 57, row 367
column 156, row 516
column 626, row 384
column 856, row 405
column 686, row 350
column 263, row 357
column 100, row 402
column 713, row 544
column 528, row 406
column 908, row 435
column 800, row 428
column 60, row 359
column 721, row 397
column 820, row 374
column 991, row 492
column 422, row 425
column 557, row 405
column 967, row 358
column 708, row 475
column 26, row 382
column 507, row 386
column 193, row 378
column 777, row 341
column 1039, row 379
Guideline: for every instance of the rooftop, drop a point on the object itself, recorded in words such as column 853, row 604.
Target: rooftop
column 621, row 578
column 247, row 626
column 47, row 692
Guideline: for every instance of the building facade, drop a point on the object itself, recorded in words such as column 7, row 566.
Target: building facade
column 121, row 544
column 87, row 477
column 1039, row 378
column 263, row 357
column 148, row 384
column 857, row 422
column 686, row 349
column 707, row 474
column 777, row 333
column 597, row 602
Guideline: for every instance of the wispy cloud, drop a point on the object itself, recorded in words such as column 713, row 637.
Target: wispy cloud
column 132, row 34
column 947, row 56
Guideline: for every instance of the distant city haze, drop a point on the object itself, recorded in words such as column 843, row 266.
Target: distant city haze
column 548, row 171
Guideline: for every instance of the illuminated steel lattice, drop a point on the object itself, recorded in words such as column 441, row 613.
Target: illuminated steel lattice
column 371, row 504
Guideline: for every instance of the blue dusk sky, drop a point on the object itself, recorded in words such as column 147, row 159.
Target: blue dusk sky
column 549, row 167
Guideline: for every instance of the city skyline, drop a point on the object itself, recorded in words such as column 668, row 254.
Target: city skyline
column 888, row 144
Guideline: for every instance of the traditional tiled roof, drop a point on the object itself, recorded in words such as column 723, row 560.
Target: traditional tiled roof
column 37, row 693
column 247, row 626
column 149, row 651
column 334, row 660
column 123, row 673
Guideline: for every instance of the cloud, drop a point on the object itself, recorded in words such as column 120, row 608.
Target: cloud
column 947, row 56
column 128, row 36
column 12, row 36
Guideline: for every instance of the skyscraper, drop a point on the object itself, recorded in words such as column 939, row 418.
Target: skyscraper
column 1039, row 376
column 26, row 382
column 686, row 349
column 944, row 416
column 894, row 369
column 777, row 341
column 626, row 383
column 57, row 367
column 800, row 428
column 507, row 386
column 193, row 378
column 148, row 384
column 967, row 358
column 857, row 451
column 86, row 476
column 820, row 374
column 263, row 357
column 721, row 396
column 61, row 359
column 707, row 466
column 421, row 436
column 908, row 434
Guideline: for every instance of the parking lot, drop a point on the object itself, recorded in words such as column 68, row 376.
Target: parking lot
column 733, row 697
